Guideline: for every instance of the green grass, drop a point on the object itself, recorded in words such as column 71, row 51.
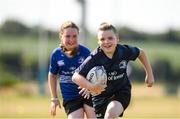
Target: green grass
column 23, row 101
column 146, row 103
column 153, row 102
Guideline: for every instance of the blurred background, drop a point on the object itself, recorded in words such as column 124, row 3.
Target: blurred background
column 29, row 33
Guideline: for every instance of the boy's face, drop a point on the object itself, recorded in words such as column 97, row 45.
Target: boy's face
column 107, row 40
column 69, row 38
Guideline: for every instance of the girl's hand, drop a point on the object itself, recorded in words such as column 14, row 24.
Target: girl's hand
column 54, row 103
column 84, row 92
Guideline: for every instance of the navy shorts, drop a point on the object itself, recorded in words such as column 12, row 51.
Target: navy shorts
column 100, row 104
column 75, row 104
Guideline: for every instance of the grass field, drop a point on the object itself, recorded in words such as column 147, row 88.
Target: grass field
column 23, row 101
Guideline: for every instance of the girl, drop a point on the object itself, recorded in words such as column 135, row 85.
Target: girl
column 63, row 62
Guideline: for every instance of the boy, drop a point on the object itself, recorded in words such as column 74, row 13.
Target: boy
column 114, row 97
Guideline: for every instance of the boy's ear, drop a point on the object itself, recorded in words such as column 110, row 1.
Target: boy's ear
column 98, row 41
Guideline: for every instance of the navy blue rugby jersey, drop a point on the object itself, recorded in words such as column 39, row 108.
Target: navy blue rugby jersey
column 115, row 68
column 64, row 66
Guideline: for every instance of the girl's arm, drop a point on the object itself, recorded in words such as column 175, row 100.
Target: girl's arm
column 52, row 85
column 52, row 81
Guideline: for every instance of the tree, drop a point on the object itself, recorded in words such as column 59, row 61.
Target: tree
column 13, row 27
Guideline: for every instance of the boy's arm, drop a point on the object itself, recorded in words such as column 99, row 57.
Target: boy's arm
column 83, row 83
column 149, row 79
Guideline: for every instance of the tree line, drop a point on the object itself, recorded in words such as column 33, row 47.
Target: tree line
column 17, row 28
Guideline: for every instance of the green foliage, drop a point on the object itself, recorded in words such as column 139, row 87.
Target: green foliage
column 14, row 27
column 170, row 36
column 7, row 79
column 28, row 46
column 159, row 51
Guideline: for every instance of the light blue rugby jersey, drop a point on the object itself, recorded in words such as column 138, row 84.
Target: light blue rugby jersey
column 65, row 67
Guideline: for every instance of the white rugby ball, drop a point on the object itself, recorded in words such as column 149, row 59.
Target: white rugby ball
column 97, row 75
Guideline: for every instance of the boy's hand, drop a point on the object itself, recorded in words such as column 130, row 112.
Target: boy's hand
column 149, row 80
column 97, row 88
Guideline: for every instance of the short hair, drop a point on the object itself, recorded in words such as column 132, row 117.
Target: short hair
column 68, row 24
column 106, row 26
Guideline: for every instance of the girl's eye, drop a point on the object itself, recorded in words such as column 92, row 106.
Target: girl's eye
column 67, row 36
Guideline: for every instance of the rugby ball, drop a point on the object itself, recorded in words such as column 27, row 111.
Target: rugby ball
column 97, row 75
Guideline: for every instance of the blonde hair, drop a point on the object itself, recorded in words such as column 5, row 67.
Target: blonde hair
column 67, row 24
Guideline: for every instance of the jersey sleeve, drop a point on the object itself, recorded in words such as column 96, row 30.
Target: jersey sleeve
column 84, row 68
column 132, row 52
column 53, row 66
column 85, row 51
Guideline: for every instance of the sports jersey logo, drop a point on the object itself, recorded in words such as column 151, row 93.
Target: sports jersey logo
column 60, row 63
column 81, row 59
column 112, row 73
column 99, row 115
column 113, row 77
column 65, row 79
column 72, row 68
column 123, row 64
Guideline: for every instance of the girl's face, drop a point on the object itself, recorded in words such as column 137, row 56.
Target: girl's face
column 107, row 40
column 69, row 38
